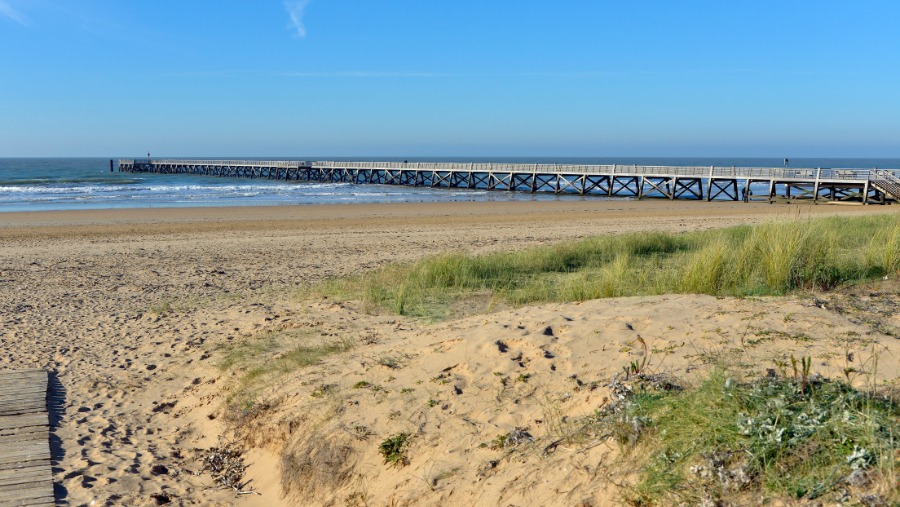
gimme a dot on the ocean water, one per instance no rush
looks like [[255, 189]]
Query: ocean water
[[36, 184]]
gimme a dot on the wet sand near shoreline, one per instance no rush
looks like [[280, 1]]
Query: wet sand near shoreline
[[130, 310], [166, 219]]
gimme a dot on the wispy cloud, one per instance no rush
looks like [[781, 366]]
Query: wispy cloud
[[11, 13], [369, 74], [295, 10]]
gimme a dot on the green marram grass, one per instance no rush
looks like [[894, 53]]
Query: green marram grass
[[771, 438], [768, 259], [264, 360]]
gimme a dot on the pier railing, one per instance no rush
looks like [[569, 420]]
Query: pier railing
[[243, 163], [764, 173], [637, 170]]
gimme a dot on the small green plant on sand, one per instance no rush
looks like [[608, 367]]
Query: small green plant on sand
[[511, 439], [394, 449], [391, 362], [323, 390], [162, 308]]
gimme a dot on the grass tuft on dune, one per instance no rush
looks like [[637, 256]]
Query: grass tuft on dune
[[768, 259], [777, 437]]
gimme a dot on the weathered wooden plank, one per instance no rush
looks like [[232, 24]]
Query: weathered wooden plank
[[33, 436], [18, 433], [11, 403], [12, 390], [13, 448], [28, 382], [39, 502], [27, 464], [8, 383], [21, 373], [24, 423], [36, 469], [40, 429], [32, 432], [25, 451], [24, 420], [19, 384], [24, 397], [24, 454], [24, 394], [27, 396], [18, 496], [9, 388], [26, 477], [19, 400], [31, 475], [13, 377], [25, 435], [26, 408], [31, 392], [35, 397], [35, 485]]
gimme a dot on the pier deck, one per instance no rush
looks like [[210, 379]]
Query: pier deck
[[699, 183], [25, 474]]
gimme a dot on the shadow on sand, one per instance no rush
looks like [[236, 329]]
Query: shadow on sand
[[56, 409]]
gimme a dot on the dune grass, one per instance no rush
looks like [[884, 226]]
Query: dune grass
[[769, 259], [263, 361], [768, 438]]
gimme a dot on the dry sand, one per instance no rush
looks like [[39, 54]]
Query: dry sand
[[134, 309]]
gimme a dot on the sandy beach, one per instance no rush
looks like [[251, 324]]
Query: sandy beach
[[133, 312]]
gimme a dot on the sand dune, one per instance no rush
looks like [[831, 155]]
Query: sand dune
[[133, 311]]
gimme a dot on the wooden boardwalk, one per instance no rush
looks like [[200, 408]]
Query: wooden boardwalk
[[25, 475], [746, 184]]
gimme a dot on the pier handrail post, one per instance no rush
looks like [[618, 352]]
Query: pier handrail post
[[816, 186]]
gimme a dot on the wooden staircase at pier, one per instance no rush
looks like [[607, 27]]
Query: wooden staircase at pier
[[887, 183]]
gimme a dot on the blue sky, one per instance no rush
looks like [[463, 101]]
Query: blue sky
[[429, 78]]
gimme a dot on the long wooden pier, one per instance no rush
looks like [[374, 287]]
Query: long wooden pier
[[25, 473], [707, 183]]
